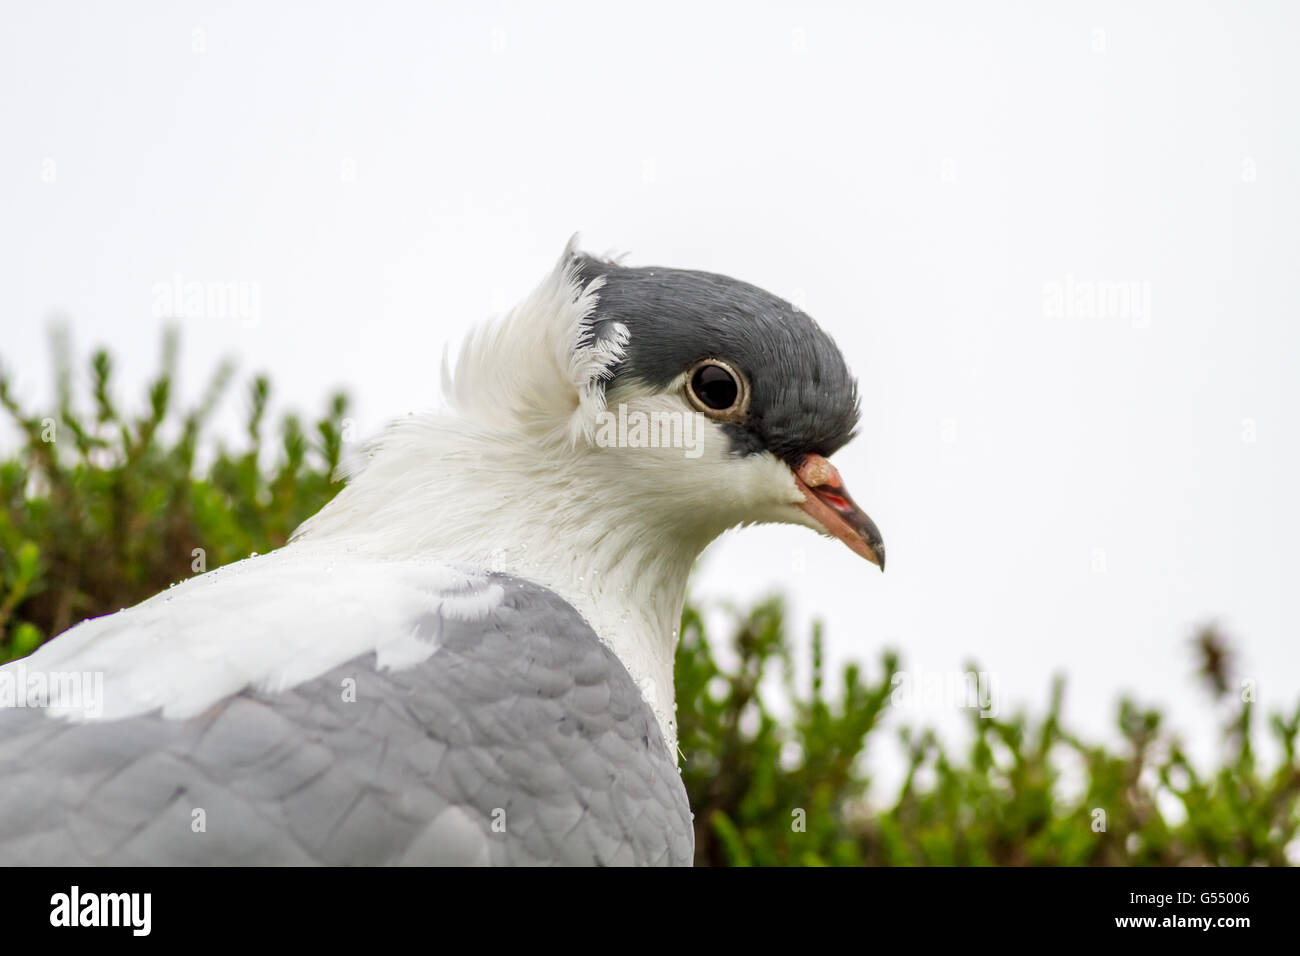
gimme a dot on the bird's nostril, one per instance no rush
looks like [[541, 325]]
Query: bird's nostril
[[817, 471]]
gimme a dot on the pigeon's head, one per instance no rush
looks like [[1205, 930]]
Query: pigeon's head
[[714, 400], [600, 434]]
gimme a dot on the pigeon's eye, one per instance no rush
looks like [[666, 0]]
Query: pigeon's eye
[[718, 390]]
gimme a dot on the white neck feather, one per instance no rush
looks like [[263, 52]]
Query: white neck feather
[[446, 488]]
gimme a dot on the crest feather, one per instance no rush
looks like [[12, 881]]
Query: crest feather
[[544, 364]]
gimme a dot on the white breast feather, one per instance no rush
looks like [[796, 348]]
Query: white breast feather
[[269, 623]]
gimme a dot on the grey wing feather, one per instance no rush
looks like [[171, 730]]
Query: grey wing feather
[[521, 740]]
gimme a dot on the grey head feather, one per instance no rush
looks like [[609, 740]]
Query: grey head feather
[[803, 399]]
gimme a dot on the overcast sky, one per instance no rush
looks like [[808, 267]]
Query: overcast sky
[[1058, 247]]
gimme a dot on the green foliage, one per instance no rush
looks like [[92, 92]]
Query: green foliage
[[101, 509], [999, 800]]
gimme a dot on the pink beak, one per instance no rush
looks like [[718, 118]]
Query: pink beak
[[827, 500]]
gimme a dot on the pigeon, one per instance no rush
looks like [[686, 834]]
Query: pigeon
[[466, 657]]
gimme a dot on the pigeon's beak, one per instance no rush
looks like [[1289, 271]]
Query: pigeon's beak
[[828, 502]]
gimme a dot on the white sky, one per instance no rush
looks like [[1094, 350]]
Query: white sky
[[386, 174]]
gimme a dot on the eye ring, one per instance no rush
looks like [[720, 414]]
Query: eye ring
[[739, 406]]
